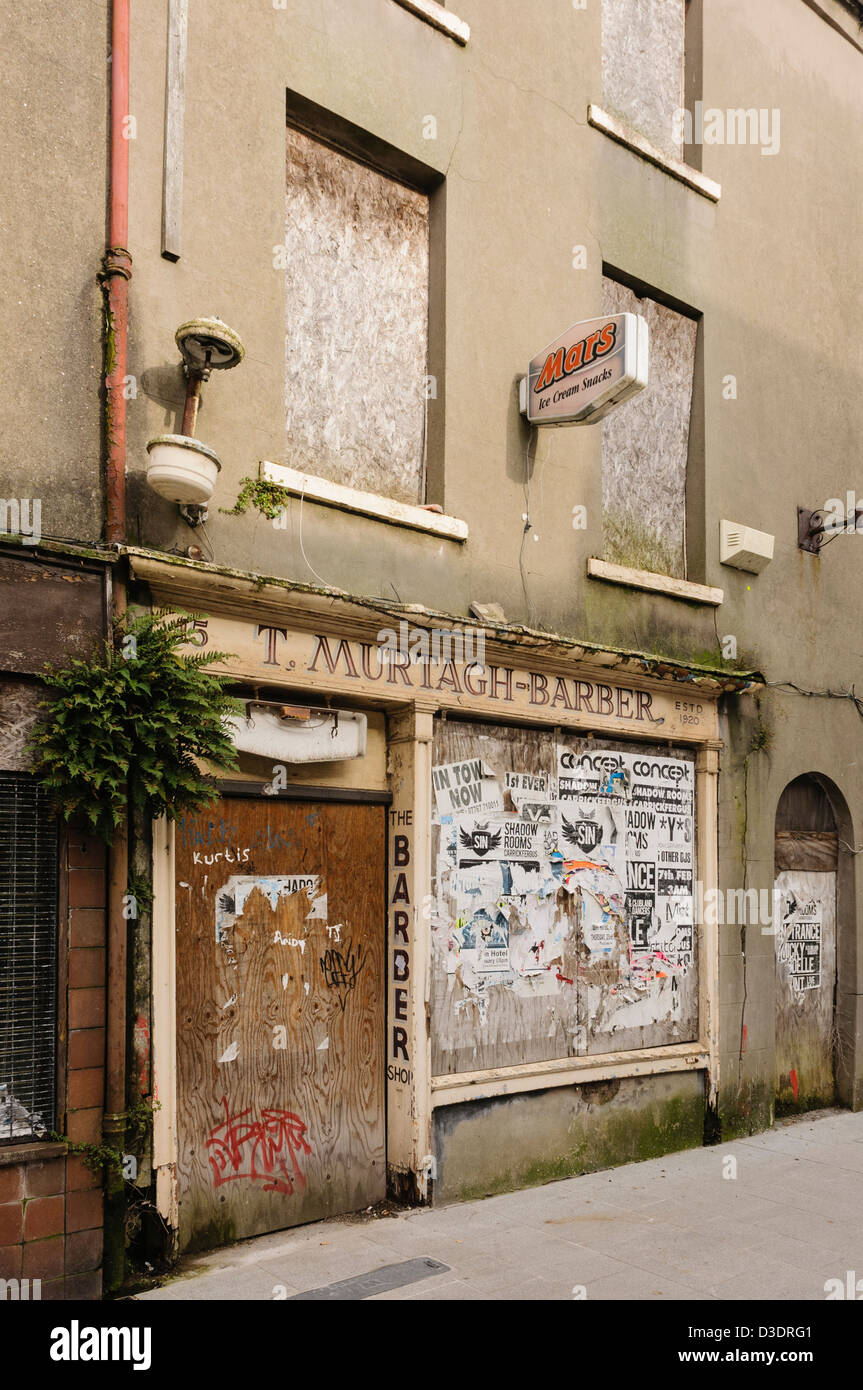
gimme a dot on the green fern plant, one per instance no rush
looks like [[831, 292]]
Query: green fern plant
[[132, 726]]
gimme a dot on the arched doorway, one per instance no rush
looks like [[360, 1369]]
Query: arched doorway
[[805, 900]]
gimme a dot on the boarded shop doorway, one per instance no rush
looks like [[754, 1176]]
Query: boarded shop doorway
[[806, 856], [280, 940]]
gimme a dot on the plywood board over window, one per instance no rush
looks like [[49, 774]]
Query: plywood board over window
[[356, 267], [563, 918], [643, 66], [645, 445]]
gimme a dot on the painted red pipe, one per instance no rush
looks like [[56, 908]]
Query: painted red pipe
[[115, 280]]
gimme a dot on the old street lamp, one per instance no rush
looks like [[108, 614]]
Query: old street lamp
[[180, 467]]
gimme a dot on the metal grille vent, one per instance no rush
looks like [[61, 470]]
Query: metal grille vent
[[29, 850]]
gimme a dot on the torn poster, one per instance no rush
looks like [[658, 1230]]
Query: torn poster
[[593, 875], [799, 942], [466, 786], [232, 897], [528, 792]]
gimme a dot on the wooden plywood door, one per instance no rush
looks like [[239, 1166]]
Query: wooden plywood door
[[280, 917], [805, 935]]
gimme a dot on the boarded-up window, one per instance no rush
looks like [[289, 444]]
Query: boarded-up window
[[356, 262], [642, 66], [28, 959], [645, 445], [563, 921]]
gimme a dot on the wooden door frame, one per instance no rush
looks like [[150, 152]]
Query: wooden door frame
[[164, 978]]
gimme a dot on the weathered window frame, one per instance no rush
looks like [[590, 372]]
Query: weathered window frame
[[687, 168], [352, 141], [694, 532]]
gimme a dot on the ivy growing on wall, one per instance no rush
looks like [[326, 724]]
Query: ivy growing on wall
[[140, 725]]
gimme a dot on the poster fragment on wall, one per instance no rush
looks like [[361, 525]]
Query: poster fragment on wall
[[467, 786], [234, 894], [799, 941]]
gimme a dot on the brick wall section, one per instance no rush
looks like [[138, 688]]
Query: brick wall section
[[51, 1205]]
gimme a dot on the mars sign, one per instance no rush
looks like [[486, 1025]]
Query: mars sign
[[585, 373]]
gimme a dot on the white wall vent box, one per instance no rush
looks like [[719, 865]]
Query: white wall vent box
[[744, 548], [287, 734]]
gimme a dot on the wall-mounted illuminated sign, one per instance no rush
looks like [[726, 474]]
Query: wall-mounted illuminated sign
[[289, 734], [585, 373]]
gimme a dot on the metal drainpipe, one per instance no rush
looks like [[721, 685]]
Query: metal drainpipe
[[115, 278]]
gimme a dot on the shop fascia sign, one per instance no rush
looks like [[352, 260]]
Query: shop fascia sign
[[591, 368], [340, 665]]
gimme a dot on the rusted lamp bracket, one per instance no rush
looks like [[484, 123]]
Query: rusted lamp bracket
[[811, 530]]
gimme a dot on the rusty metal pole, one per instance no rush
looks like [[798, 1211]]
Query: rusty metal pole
[[193, 401], [196, 376]]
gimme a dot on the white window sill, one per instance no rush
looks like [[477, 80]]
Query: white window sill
[[625, 135], [439, 17], [349, 499], [654, 583]]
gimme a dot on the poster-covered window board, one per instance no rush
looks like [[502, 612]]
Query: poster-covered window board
[[563, 897]]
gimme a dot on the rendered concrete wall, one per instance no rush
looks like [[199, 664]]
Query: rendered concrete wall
[[52, 236], [483, 1147]]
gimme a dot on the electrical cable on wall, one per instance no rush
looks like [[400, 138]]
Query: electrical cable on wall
[[851, 694], [202, 532], [533, 438], [302, 547]]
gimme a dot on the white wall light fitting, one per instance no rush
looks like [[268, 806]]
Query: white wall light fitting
[[181, 468]]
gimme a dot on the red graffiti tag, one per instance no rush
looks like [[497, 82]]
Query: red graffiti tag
[[795, 1086], [263, 1150]]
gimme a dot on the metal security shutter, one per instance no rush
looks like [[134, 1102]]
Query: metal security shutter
[[29, 851]]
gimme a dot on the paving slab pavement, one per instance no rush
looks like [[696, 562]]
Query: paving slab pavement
[[777, 1222]]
